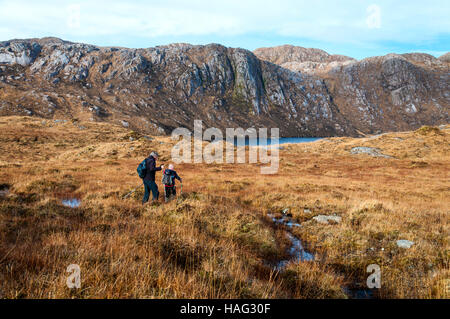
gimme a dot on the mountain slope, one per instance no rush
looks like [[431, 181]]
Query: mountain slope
[[158, 89], [392, 92]]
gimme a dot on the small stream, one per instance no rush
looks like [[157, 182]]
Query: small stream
[[296, 250], [298, 253]]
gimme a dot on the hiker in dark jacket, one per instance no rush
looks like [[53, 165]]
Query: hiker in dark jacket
[[149, 179], [169, 186]]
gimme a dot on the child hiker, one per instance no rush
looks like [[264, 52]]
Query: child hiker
[[168, 179]]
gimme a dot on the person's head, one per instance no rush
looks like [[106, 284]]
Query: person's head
[[170, 166], [154, 155]]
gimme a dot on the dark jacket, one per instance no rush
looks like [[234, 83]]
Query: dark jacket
[[150, 164], [171, 172]]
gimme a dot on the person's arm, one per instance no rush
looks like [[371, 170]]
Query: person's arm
[[177, 177], [152, 166]]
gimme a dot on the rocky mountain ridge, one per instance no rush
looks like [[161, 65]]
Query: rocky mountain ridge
[[299, 59], [160, 88]]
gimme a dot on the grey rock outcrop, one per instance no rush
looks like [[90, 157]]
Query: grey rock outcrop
[[17, 52], [375, 152], [403, 243], [326, 219]]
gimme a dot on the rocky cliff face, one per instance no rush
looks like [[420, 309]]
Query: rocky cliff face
[[158, 89], [392, 92]]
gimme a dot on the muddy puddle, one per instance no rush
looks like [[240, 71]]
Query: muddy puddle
[[358, 293], [71, 202], [4, 190]]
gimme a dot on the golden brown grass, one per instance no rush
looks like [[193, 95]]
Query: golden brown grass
[[215, 240]]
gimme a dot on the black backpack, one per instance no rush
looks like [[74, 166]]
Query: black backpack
[[142, 169]]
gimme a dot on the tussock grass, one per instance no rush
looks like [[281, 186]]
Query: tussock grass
[[216, 240], [426, 130]]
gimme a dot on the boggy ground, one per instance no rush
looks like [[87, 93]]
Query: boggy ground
[[216, 240]]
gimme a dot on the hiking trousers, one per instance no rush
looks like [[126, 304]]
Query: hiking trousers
[[170, 191], [150, 186]]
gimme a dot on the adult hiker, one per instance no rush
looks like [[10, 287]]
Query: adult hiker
[[147, 170], [168, 179]]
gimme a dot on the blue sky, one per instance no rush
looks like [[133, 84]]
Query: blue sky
[[355, 28]]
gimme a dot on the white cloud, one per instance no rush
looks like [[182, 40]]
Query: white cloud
[[330, 21]]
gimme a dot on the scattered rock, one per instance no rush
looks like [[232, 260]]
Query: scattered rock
[[125, 123], [372, 151], [403, 243], [160, 130], [325, 219]]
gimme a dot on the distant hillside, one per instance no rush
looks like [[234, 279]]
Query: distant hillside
[[310, 93]]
